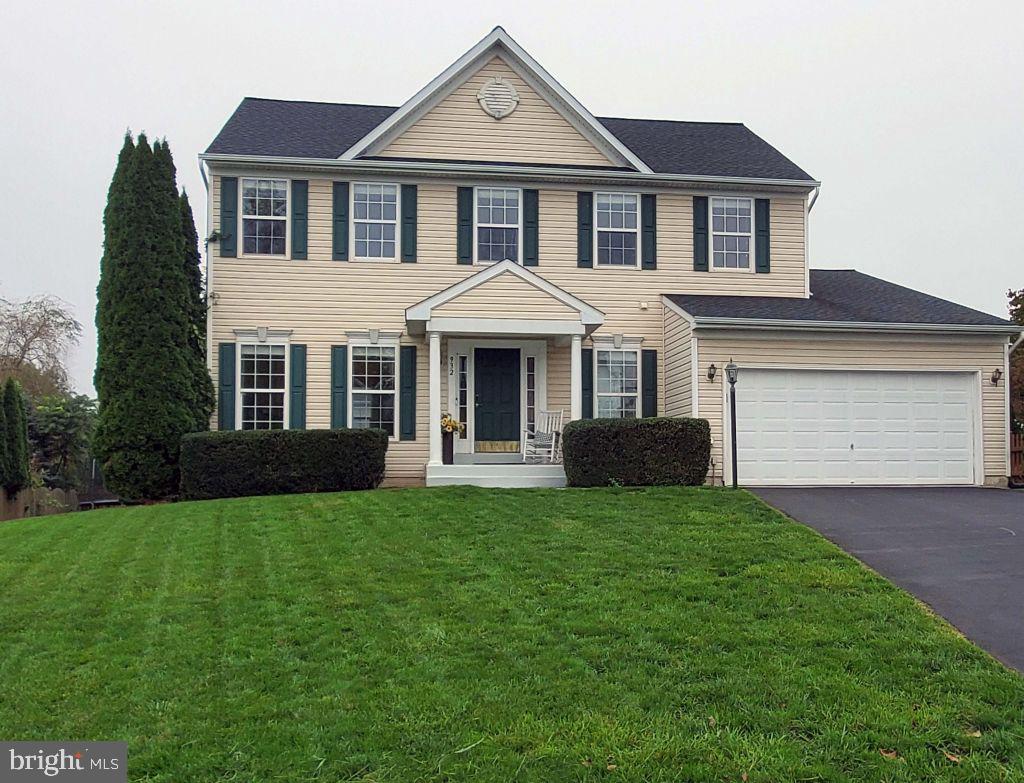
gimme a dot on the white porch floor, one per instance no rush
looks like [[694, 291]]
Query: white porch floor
[[510, 474]]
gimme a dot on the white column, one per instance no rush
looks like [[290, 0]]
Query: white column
[[576, 379], [434, 412]]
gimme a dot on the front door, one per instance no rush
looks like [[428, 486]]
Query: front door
[[496, 381]]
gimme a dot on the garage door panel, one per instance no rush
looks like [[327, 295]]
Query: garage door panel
[[841, 427]]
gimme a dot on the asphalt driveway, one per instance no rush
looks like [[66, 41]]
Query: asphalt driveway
[[960, 550]]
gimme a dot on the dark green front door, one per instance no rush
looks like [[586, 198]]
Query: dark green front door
[[496, 380]]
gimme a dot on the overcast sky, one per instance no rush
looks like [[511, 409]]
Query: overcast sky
[[911, 114]]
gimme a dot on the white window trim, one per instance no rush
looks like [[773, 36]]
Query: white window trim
[[625, 344], [252, 338], [240, 233], [352, 223], [639, 222], [477, 225], [752, 267], [382, 341]]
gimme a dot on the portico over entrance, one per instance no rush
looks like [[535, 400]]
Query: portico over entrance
[[505, 348]]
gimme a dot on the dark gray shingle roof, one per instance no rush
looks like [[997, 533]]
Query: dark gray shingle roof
[[304, 129], [841, 295]]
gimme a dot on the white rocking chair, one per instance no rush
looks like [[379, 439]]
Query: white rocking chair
[[544, 442]]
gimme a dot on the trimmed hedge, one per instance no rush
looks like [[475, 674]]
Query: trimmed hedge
[[279, 462], [636, 452]]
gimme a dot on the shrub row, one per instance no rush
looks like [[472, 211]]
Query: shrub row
[[279, 462], [636, 452]]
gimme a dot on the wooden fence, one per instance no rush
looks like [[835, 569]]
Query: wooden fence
[[37, 502], [1017, 456]]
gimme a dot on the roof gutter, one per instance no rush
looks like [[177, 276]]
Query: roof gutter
[[814, 198], [851, 326], [462, 169]]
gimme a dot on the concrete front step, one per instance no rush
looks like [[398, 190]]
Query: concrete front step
[[512, 475]]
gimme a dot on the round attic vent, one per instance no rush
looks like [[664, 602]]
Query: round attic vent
[[498, 97]]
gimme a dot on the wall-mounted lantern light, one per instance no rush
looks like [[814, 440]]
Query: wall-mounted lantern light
[[996, 376], [712, 371]]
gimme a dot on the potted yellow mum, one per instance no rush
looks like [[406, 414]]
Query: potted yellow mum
[[449, 426]]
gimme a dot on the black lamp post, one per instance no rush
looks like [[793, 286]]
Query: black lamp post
[[732, 372]]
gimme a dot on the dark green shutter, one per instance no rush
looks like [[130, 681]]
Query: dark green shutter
[[297, 388], [228, 217], [300, 218], [340, 220], [763, 238], [339, 386], [409, 224], [531, 228], [407, 396], [649, 382], [700, 233], [585, 231], [465, 225], [226, 386], [587, 382], [649, 231]]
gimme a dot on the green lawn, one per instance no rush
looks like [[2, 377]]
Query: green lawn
[[487, 635]]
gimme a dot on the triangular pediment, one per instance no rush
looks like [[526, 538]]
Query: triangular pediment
[[496, 104], [505, 291]]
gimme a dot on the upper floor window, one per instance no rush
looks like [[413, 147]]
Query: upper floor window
[[261, 386], [731, 232], [375, 215], [617, 228], [498, 224], [374, 381], [264, 216], [618, 388]]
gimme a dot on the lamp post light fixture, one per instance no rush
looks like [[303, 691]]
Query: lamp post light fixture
[[732, 373]]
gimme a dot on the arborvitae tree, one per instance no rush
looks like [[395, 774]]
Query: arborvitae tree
[[5, 457], [143, 381], [113, 236], [16, 424], [203, 394]]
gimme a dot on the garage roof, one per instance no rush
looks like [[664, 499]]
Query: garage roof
[[841, 296]]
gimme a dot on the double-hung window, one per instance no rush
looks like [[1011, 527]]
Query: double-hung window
[[618, 389], [261, 386], [374, 381], [618, 221], [264, 216], [498, 224], [731, 236], [375, 218]]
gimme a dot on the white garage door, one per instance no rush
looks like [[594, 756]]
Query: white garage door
[[837, 427]]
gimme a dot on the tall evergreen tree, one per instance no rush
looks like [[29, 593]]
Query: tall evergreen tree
[[144, 383], [5, 457], [16, 423], [203, 393], [118, 198]]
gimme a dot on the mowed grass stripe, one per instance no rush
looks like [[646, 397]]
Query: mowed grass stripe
[[467, 634]]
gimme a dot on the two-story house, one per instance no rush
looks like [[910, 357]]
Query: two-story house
[[490, 249]]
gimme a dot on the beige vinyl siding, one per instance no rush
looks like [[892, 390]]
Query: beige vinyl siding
[[320, 299], [506, 296], [678, 369], [868, 352], [459, 129]]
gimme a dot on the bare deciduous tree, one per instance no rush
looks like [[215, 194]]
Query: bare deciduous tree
[[35, 337]]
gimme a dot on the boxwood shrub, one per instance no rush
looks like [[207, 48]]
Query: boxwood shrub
[[636, 452], [280, 462]]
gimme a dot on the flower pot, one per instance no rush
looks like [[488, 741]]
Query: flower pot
[[448, 448]]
